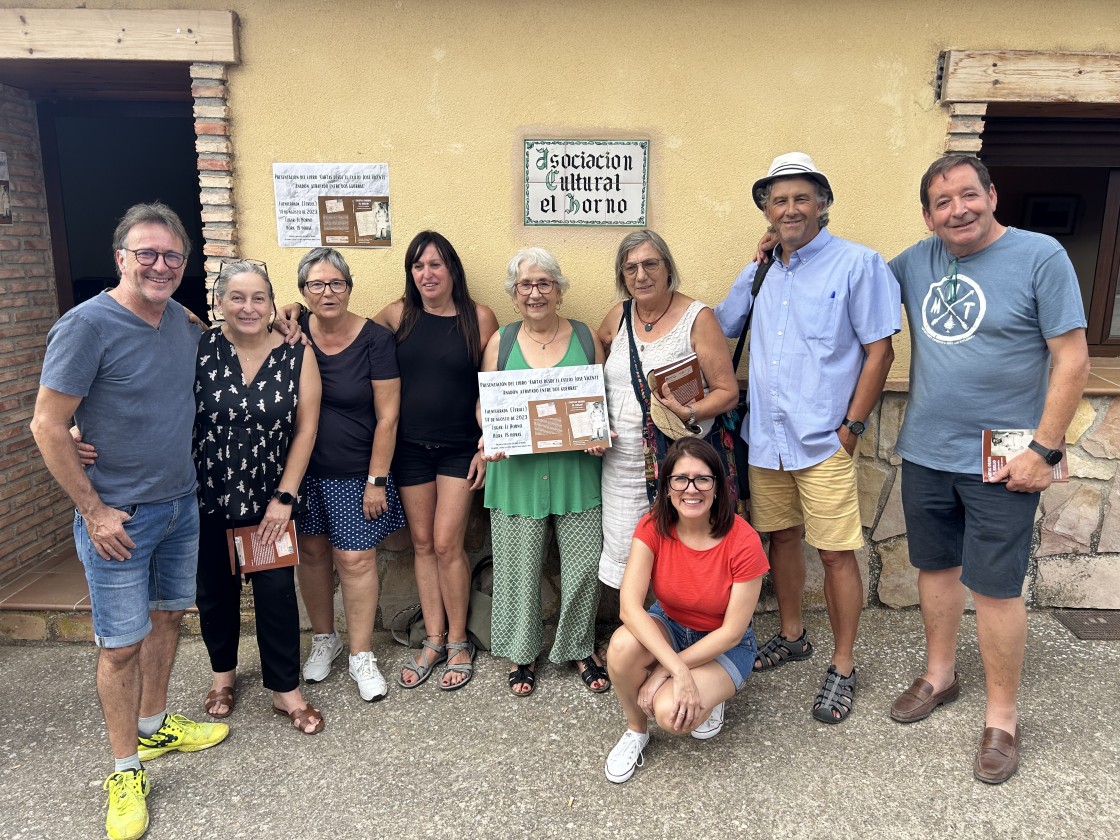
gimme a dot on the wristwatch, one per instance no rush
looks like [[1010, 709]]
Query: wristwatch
[[283, 497], [856, 427], [378, 480], [691, 423], [1050, 456]]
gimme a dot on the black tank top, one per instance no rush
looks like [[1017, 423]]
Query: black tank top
[[439, 384]]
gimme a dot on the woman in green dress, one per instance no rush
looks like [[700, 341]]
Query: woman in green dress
[[527, 493]]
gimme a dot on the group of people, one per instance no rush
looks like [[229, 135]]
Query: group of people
[[271, 415]]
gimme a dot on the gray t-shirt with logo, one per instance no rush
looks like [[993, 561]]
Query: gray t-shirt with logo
[[136, 382], [978, 358]]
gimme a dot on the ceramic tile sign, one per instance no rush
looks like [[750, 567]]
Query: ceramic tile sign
[[586, 182], [344, 205], [5, 192]]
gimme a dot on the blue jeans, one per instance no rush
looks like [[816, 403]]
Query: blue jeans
[[160, 575], [738, 662]]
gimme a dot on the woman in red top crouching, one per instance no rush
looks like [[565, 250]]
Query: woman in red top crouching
[[694, 649]]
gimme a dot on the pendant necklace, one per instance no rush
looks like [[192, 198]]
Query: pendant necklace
[[650, 324], [555, 332]]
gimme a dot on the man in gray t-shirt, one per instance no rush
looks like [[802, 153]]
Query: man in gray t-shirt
[[990, 308], [122, 365]]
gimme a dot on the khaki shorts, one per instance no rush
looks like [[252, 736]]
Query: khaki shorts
[[822, 497]]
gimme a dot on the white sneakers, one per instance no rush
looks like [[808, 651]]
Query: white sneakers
[[363, 671], [325, 648], [711, 727], [626, 757]]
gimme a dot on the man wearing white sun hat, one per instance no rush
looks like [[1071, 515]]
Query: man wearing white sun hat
[[820, 350]]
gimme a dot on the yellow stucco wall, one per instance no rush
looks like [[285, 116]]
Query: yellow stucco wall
[[445, 91]]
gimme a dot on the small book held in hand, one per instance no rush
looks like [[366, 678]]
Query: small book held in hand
[[998, 446], [682, 377], [248, 553]]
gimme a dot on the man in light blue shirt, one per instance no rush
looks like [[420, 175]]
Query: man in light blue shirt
[[820, 350]]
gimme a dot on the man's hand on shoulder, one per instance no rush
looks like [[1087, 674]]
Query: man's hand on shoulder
[[287, 324]]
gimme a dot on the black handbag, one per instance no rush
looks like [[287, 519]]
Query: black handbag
[[742, 450]]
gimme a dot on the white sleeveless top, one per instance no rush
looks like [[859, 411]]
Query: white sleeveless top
[[624, 483]]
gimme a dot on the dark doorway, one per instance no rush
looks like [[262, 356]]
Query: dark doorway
[[100, 158], [1060, 175]]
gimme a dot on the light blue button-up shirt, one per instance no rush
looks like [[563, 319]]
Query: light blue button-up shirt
[[810, 323]]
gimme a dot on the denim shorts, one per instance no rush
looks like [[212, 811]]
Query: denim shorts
[[420, 463], [956, 520], [738, 662], [334, 508], [160, 575]]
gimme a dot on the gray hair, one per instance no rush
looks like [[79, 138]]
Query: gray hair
[[318, 255], [822, 195], [156, 213], [540, 258], [231, 270], [632, 241]]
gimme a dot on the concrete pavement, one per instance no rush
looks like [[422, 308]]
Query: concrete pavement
[[480, 763]]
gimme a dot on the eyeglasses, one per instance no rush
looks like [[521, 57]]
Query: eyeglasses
[[649, 266], [702, 483], [317, 287], [147, 257], [525, 287]]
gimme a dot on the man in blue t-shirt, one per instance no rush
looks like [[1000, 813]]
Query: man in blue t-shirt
[[122, 366], [990, 309], [819, 355]]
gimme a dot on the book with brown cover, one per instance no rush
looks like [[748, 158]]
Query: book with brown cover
[[998, 446], [682, 377], [248, 553]]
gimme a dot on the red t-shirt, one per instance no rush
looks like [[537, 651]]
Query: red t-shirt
[[693, 587]]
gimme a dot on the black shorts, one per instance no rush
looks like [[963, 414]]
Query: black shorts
[[955, 519], [420, 463]]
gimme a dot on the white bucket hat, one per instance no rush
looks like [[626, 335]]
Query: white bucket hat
[[791, 164]]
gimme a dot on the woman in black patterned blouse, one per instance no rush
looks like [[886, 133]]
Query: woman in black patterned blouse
[[258, 411]]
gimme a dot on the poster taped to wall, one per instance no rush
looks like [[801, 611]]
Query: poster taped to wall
[[344, 205], [5, 192], [543, 410]]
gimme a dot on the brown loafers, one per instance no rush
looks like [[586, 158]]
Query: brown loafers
[[919, 700], [998, 756]]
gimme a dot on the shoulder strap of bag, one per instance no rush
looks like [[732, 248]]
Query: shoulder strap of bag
[[637, 375], [505, 344], [586, 342], [759, 276]]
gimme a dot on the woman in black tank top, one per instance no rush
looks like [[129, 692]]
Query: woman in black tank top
[[440, 334]]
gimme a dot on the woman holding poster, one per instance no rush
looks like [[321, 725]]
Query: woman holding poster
[[527, 493], [654, 324], [440, 333]]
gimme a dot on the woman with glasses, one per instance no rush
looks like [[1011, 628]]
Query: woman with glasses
[[654, 324], [258, 409], [527, 493], [352, 502], [440, 333], [681, 660]]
